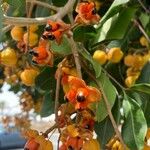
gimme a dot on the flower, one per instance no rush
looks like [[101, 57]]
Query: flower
[[86, 13], [80, 94]]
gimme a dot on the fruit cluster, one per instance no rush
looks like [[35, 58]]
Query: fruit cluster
[[114, 55], [35, 141], [135, 62]]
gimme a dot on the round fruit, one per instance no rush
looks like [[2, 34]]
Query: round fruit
[[143, 41], [130, 80], [28, 76], [91, 145], [33, 28], [17, 33], [128, 60], [8, 57], [33, 39], [100, 56], [131, 72], [115, 55]]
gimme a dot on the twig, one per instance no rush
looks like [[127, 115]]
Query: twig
[[22, 21], [143, 6], [59, 73], [6, 28], [141, 29], [44, 5], [107, 107], [50, 129], [76, 56], [123, 88]]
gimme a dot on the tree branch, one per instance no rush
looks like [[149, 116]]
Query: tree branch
[[23, 21], [46, 5]]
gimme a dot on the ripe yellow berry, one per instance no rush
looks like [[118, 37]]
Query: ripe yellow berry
[[33, 39], [100, 56], [115, 55], [132, 72], [138, 61], [143, 41], [17, 33], [128, 60], [28, 76], [33, 28], [8, 57], [130, 80], [91, 145]]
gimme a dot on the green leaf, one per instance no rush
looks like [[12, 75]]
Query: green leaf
[[48, 105], [96, 65], [84, 33], [42, 11], [114, 9], [110, 92], [134, 128], [16, 8], [144, 18], [143, 87], [64, 48], [103, 135], [45, 80], [116, 26]]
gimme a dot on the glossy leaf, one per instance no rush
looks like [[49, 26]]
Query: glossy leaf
[[64, 48], [135, 127], [48, 105], [104, 131], [143, 87], [45, 80], [110, 92], [114, 9], [96, 65], [83, 33], [116, 26]]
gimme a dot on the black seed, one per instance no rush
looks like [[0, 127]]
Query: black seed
[[80, 97], [66, 99], [94, 11], [33, 53], [26, 148], [44, 37], [33, 61], [48, 28], [87, 126], [51, 37], [70, 148]]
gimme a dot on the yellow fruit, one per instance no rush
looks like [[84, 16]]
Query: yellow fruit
[[70, 71], [28, 76], [72, 130], [131, 72], [138, 61], [8, 57], [115, 55], [31, 133], [91, 145], [17, 33], [143, 41], [128, 60], [130, 80], [33, 28], [33, 39], [100, 56], [48, 145], [146, 147]]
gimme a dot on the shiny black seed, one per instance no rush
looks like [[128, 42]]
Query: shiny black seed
[[70, 148], [66, 99], [33, 53], [33, 61], [80, 97], [87, 126], [94, 11], [51, 37], [44, 37], [48, 28]]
